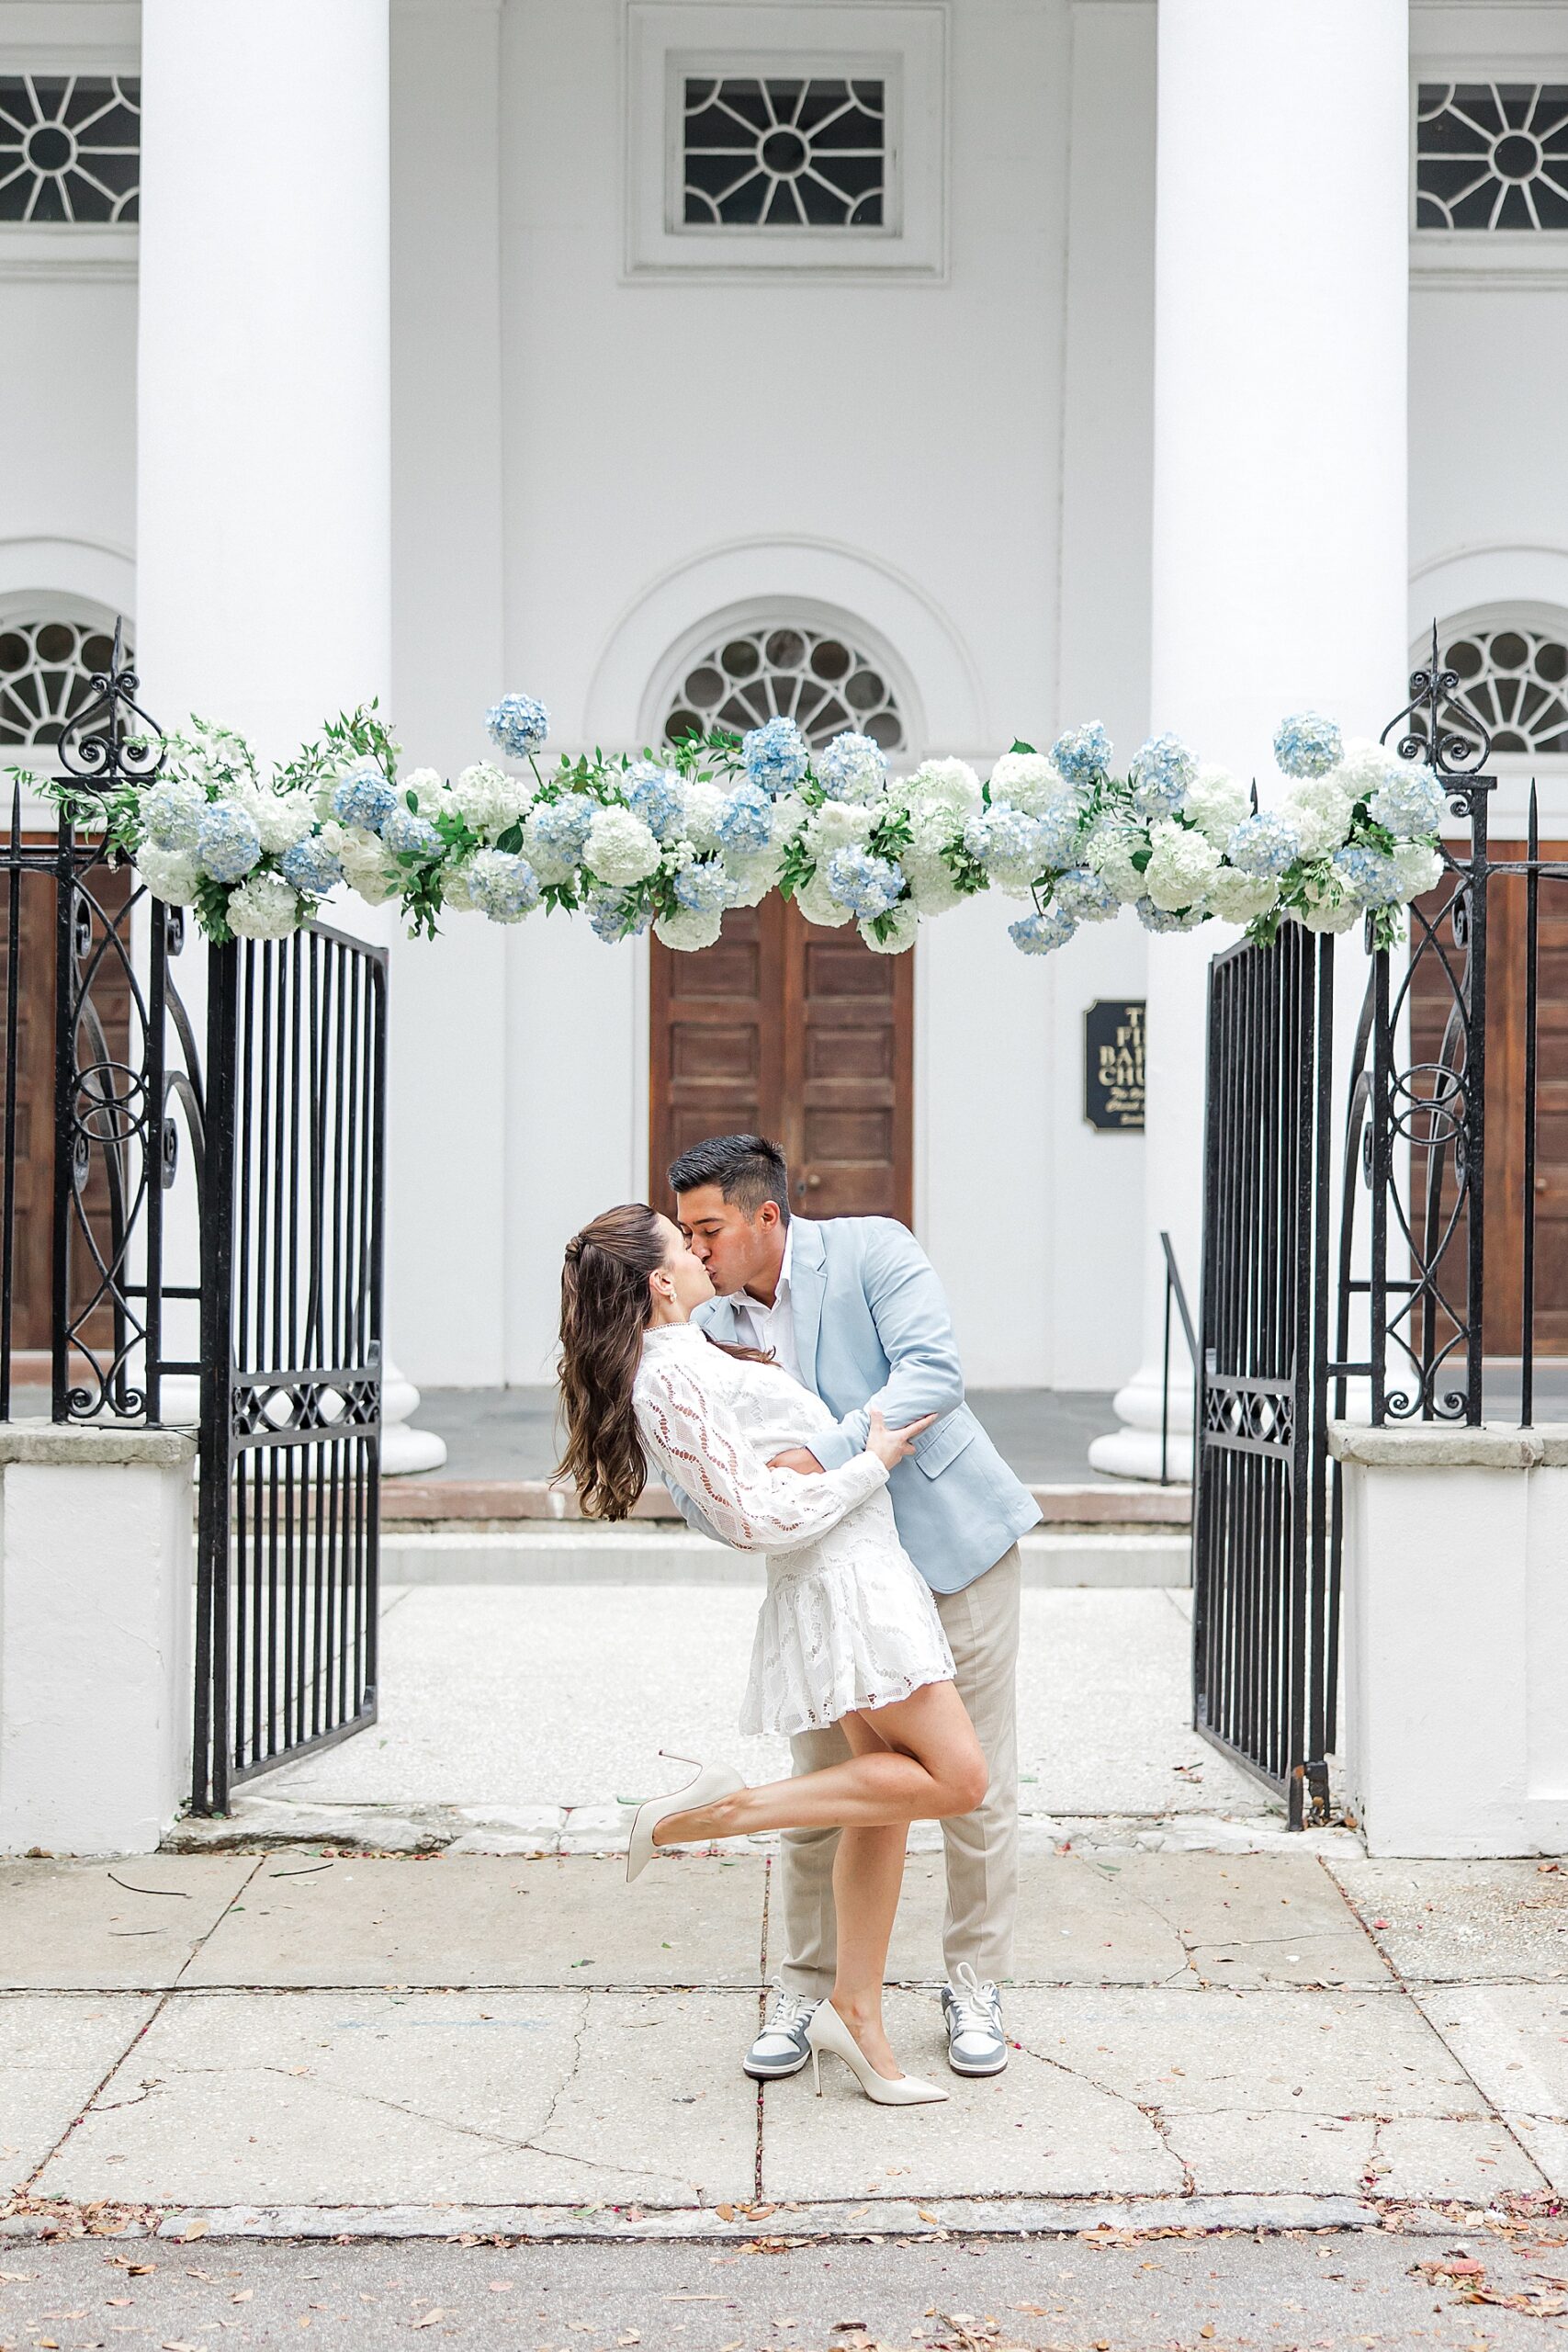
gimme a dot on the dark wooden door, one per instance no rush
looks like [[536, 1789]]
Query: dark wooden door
[[786, 1030], [31, 1295], [1431, 999]]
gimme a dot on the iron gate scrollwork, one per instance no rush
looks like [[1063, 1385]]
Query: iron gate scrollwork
[[1264, 1606], [288, 1535]]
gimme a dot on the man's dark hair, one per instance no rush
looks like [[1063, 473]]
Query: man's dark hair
[[748, 1169]]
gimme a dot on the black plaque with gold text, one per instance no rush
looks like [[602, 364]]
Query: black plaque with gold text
[[1113, 1065]]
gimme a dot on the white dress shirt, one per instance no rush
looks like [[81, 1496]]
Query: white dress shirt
[[772, 1328]]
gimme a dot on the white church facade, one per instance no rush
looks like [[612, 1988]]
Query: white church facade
[[961, 370]]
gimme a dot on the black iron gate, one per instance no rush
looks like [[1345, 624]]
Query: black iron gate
[[288, 1531], [1264, 1608]]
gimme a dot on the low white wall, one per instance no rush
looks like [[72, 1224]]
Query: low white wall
[[1456, 1638], [95, 1567]]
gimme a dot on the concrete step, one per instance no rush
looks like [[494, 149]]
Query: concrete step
[[563, 1554]]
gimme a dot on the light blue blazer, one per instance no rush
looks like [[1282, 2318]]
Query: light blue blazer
[[872, 1328]]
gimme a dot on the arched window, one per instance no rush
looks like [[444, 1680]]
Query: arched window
[[47, 660], [790, 670], [1514, 675]]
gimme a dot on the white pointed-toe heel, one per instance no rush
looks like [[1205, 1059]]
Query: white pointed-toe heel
[[713, 1781], [827, 2031]]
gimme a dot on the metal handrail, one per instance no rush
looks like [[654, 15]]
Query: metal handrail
[[1173, 1290]]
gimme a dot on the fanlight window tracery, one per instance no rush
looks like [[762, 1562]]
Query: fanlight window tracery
[[1515, 678], [788, 670], [773, 152], [70, 147], [45, 668], [1492, 155]]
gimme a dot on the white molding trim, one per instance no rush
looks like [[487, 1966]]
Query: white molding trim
[[936, 675], [906, 40], [61, 253], [74, 36], [1465, 582], [1511, 261], [90, 572]]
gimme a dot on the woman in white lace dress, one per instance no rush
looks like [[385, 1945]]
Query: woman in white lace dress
[[848, 1632]]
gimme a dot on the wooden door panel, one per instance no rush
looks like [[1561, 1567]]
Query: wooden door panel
[[790, 1031]]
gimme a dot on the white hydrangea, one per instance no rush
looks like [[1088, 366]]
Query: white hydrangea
[[689, 927], [1109, 854], [281, 819], [1216, 802], [752, 878], [837, 824], [1321, 810], [172, 810], [432, 793], [706, 803], [902, 924], [1235, 897], [937, 784], [456, 896], [263, 906], [548, 860], [488, 800], [1418, 867], [1181, 866], [1028, 780], [817, 905], [790, 813], [171, 875], [1365, 766], [930, 881], [1327, 916], [620, 848]]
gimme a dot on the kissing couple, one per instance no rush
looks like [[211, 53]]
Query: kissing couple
[[796, 1384]]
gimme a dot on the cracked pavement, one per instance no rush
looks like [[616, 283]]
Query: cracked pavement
[[261, 2038]]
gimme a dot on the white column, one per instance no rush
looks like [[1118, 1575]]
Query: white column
[[1279, 476], [264, 595]]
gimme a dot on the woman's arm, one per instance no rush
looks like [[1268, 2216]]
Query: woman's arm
[[701, 1447]]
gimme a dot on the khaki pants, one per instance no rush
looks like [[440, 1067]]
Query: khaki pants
[[981, 1626]]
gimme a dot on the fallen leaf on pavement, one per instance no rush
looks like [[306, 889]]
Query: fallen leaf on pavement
[[725, 2212], [243, 2295], [430, 2318], [500, 2286]]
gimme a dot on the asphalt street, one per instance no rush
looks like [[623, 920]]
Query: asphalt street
[[1317, 2291]]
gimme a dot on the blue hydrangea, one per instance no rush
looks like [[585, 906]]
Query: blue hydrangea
[[1084, 896], [1037, 934], [775, 756], [854, 767], [1368, 876], [1307, 744], [868, 886], [227, 841], [1083, 755], [1410, 804], [408, 835], [1006, 837], [172, 812], [653, 792], [1162, 770], [517, 724], [310, 865], [1058, 838], [1264, 844], [746, 822], [563, 826], [614, 915], [1154, 918], [501, 885], [364, 797], [703, 887]]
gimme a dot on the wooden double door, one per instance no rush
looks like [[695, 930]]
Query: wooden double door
[[786, 1030]]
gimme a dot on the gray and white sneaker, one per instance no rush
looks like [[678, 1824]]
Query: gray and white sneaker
[[976, 2043], [781, 2048]]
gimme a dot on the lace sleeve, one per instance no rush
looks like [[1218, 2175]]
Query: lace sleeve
[[699, 1444]]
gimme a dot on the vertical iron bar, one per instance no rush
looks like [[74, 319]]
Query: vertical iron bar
[[64, 1107], [9, 1206], [1532, 1015], [1475, 1111], [209, 1792]]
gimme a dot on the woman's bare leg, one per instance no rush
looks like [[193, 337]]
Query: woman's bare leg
[[868, 1874], [926, 1765]]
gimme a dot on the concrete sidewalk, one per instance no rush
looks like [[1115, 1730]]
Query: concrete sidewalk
[[291, 2043]]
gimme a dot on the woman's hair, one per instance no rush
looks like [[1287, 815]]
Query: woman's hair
[[605, 1306]]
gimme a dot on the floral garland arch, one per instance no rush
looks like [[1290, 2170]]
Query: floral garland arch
[[670, 840]]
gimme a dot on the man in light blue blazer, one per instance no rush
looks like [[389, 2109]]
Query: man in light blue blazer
[[851, 1307]]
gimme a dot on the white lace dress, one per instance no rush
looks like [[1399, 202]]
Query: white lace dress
[[848, 1620]]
